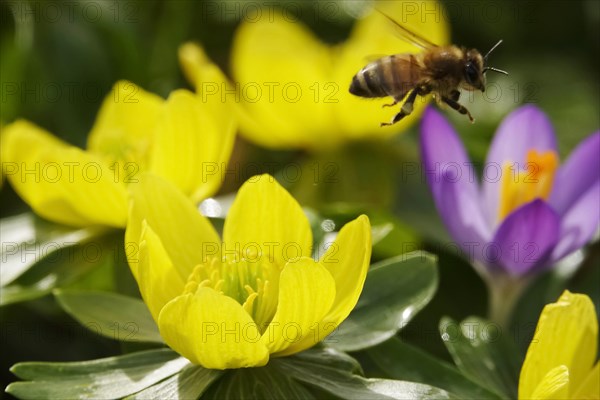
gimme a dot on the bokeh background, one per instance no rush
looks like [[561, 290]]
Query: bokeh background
[[59, 59]]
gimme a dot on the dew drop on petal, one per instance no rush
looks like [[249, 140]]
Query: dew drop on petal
[[328, 225], [211, 208]]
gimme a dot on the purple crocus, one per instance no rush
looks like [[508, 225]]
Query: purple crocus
[[528, 212]]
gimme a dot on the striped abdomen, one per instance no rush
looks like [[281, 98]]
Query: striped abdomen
[[391, 76]]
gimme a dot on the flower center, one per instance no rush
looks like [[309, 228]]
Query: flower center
[[253, 284], [126, 156], [520, 186]]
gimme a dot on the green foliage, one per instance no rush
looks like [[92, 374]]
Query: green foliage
[[107, 378], [111, 315], [418, 366], [484, 352], [395, 290]]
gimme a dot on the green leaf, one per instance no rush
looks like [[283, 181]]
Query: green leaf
[[62, 266], [402, 361], [319, 371], [112, 315], [395, 290], [482, 351], [190, 383], [27, 240], [391, 236], [106, 378], [257, 383]]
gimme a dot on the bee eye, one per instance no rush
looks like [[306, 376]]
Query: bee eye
[[471, 74]]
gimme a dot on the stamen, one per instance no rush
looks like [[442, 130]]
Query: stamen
[[253, 284], [519, 187]]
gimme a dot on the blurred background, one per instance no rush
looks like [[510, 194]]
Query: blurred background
[[59, 59]]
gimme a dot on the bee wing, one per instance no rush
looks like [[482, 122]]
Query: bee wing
[[408, 35]]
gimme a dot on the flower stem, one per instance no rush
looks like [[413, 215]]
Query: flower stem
[[504, 292]]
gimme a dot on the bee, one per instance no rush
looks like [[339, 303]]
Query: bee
[[440, 70]]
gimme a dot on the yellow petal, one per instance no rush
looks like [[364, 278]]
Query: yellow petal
[[590, 388], [193, 143], [266, 215], [60, 182], [212, 330], [374, 37], [187, 236], [567, 334], [158, 280], [124, 129], [347, 260], [279, 81], [306, 293], [554, 385]]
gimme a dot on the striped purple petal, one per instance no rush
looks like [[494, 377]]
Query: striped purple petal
[[579, 224], [452, 179], [524, 129], [579, 172], [525, 239]]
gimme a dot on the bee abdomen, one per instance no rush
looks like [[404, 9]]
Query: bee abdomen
[[369, 81]]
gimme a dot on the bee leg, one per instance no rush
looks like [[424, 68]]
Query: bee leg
[[454, 95], [406, 109], [391, 104], [458, 107]]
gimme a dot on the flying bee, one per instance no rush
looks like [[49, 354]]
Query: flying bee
[[440, 70]]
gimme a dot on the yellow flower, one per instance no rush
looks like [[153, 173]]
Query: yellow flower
[[561, 360], [292, 89], [181, 139], [233, 303]]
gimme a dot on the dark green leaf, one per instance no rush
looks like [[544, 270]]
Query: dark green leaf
[[391, 236], [402, 361], [27, 240], [257, 383], [324, 373], [331, 357], [63, 266], [482, 351], [107, 378], [190, 383], [112, 315], [395, 290]]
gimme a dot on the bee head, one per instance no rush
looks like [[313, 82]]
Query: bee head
[[473, 71]]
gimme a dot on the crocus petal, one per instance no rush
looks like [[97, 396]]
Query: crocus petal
[[193, 143], [525, 238], [172, 216], [264, 213], [590, 388], [554, 385], [567, 334], [212, 330], [347, 260], [580, 223], [306, 293], [277, 82], [452, 180], [125, 122], [63, 183], [580, 171], [372, 37], [527, 128], [157, 278]]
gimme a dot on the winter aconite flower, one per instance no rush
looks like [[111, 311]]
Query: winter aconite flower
[[256, 293], [561, 359], [293, 90], [181, 139], [529, 211]]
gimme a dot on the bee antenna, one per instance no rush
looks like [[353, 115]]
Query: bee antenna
[[492, 49], [495, 70]]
